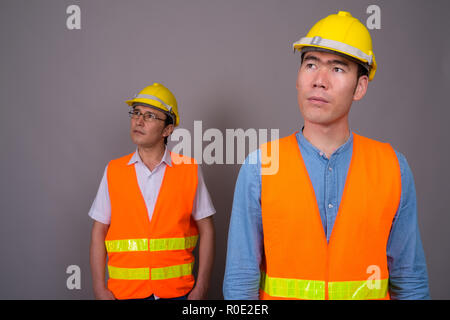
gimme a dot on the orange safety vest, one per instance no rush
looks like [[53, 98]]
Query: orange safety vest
[[151, 257], [298, 262]]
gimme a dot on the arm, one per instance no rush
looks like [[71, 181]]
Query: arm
[[408, 276], [98, 261], [206, 258], [100, 212], [245, 236]]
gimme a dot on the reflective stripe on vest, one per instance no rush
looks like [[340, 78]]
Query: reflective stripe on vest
[[155, 244], [315, 290], [358, 290], [156, 273], [172, 271], [292, 288], [128, 273], [126, 245], [173, 243]]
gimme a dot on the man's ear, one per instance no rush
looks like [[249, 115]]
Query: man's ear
[[168, 130], [361, 88]]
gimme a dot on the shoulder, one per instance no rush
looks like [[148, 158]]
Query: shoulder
[[123, 160], [251, 167], [270, 150], [281, 141], [375, 148], [405, 170], [370, 142], [179, 159], [116, 167], [408, 189], [183, 166]]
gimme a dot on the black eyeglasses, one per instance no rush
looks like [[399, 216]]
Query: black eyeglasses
[[148, 116]]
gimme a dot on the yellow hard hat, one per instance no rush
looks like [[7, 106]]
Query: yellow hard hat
[[160, 97], [344, 34]]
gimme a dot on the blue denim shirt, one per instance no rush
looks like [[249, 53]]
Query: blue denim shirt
[[408, 276]]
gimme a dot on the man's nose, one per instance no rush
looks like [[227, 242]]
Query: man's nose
[[321, 79], [140, 120]]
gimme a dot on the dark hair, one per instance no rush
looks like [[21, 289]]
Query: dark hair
[[362, 71], [169, 121]]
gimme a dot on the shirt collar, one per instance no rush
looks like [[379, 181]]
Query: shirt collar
[[306, 145], [136, 158]]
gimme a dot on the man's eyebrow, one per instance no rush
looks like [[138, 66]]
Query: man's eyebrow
[[329, 62], [142, 109], [339, 62], [311, 57]]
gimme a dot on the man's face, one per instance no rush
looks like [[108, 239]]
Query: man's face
[[327, 85], [151, 132]]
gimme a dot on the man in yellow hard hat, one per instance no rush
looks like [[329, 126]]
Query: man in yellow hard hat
[[338, 220], [151, 207]]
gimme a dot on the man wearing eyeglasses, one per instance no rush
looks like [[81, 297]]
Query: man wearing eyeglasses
[[150, 209]]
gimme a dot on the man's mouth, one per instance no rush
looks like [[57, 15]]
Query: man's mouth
[[317, 99], [138, 132]]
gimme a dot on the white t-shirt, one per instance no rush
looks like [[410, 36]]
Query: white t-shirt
[[149, 183]]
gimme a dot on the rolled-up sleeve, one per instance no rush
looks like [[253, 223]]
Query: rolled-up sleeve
[[101, 207], [202, 206]]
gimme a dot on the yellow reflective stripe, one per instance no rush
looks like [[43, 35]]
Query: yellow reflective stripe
[[156, 273], [173, 243], [172, 271], [126, 245], [315, 290], [292, 288], [129, 273], [358, 290], [155, 244]]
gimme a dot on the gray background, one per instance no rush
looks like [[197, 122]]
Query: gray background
[[230, 64]]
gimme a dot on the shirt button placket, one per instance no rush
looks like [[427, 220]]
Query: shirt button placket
[[330, 195]]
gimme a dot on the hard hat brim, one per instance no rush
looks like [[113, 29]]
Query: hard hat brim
[[372, 66], [155, 105], [332, 51]]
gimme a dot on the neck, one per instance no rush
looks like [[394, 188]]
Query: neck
[[326, 138], [151, 156]]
